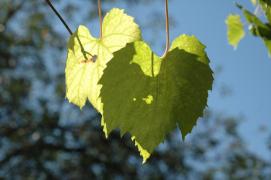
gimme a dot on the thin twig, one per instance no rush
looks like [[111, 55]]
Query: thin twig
[[59, 16], [68, 29], [167, 29], [100, 18]]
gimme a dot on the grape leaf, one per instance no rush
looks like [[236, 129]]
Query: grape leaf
[[148, 96], [82, 75], [235, 30], [84, 71]]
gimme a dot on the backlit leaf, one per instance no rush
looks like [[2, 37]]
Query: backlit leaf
[[148, 97], [235, 30], [84, 71]]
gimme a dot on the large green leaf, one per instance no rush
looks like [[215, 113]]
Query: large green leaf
[[148, 96], [235, 29], [84, 71]]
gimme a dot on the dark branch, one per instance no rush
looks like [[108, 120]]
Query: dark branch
[[59, 16], [68, 28]]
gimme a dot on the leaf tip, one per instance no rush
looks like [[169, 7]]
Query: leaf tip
[[103, 124], [143, 152]]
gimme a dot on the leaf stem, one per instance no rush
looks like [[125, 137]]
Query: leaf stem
[[68, 29], [59, 16], [167, 30], [100, 18]]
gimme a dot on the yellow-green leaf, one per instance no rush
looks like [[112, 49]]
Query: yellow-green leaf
[[82, 74], [84, 69], [235, 30]]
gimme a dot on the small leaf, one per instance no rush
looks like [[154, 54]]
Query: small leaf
[[148, 97], [235, 30]]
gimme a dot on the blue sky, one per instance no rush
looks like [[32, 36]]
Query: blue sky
[[246, 71]]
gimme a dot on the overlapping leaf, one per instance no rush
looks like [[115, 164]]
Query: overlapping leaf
[[148, 96], [87, 56]]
